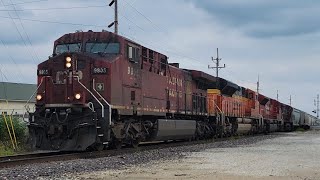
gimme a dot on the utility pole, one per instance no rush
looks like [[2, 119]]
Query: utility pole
[[258, 88], [277, 95], [318, 106], [115, 22], [217, 66], [290, 100], [258, 84]]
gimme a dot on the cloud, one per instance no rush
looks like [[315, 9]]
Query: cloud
[[279, 40], [266, 19]]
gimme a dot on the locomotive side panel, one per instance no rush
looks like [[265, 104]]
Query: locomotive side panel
[[153, 94], [252, 108], [153, 77], [187, 93]]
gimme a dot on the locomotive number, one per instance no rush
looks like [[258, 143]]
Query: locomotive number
[[43, 72], [100, 70]]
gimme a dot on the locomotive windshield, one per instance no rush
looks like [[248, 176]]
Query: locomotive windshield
[[108, 48], [61, 48]]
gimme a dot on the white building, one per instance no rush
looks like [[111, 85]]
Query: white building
[[14, 97]]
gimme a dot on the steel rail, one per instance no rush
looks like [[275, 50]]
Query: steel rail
[[26, 159]]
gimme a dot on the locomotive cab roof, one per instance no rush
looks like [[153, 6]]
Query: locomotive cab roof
[[95, 42]]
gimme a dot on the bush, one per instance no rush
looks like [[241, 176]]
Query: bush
[[5, 150], [299, 129], [20, 128]]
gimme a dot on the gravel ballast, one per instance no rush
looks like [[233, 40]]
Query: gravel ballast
[[70, 169]]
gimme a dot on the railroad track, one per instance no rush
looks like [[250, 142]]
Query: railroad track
[[24, 159]]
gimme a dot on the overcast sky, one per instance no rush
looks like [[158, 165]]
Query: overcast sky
[[277, 40]]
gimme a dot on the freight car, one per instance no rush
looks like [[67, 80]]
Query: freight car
[[306, 120], [302, 119], [101, 90]]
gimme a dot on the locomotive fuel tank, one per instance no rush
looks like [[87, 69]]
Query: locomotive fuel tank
[[244, 128], [174, 129], [244, 125], [273, 127]]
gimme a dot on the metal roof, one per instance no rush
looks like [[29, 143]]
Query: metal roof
[[17, 91]]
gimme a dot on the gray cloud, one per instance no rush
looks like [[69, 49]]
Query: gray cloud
[[277, 39], [265, 19]]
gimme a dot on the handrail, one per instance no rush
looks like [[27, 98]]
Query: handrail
[[262, 122], [9, 131], [13, 131], [102, 110], [94, 88], [217, 107], [90, 105], [25, 106]]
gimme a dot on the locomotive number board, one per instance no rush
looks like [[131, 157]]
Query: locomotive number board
[[43, 72], [100, 70]]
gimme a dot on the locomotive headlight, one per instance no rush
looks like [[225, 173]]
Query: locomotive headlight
[[68, 59], [68, 64], [39, 97], [77, 96]]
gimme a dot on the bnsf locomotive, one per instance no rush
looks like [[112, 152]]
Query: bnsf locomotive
[[101, 90]]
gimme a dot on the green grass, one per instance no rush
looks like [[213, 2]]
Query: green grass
[[6, 148], [300, 130], [6, 151]]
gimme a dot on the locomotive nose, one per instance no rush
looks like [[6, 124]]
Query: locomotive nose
[[66, 71]]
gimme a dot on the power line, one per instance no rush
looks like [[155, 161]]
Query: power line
[[56, 8], [100, 26], [11, 58], [171, 52], [159, 29], [129, 20], [23, 3], [15, 25], [53, 22], [148, 19], [28, 38], [3, 75], [175, 52]]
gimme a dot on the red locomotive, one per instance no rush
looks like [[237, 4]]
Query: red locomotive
[[102, 90]]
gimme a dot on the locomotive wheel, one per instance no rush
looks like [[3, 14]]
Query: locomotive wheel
[[117, 144], [135, 143], [99, 147]]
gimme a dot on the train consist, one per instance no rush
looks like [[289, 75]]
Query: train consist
[[101, 90]]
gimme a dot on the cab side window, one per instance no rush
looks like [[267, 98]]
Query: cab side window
[[144, 54], [163, 66], [133, 54], [151, 56]]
